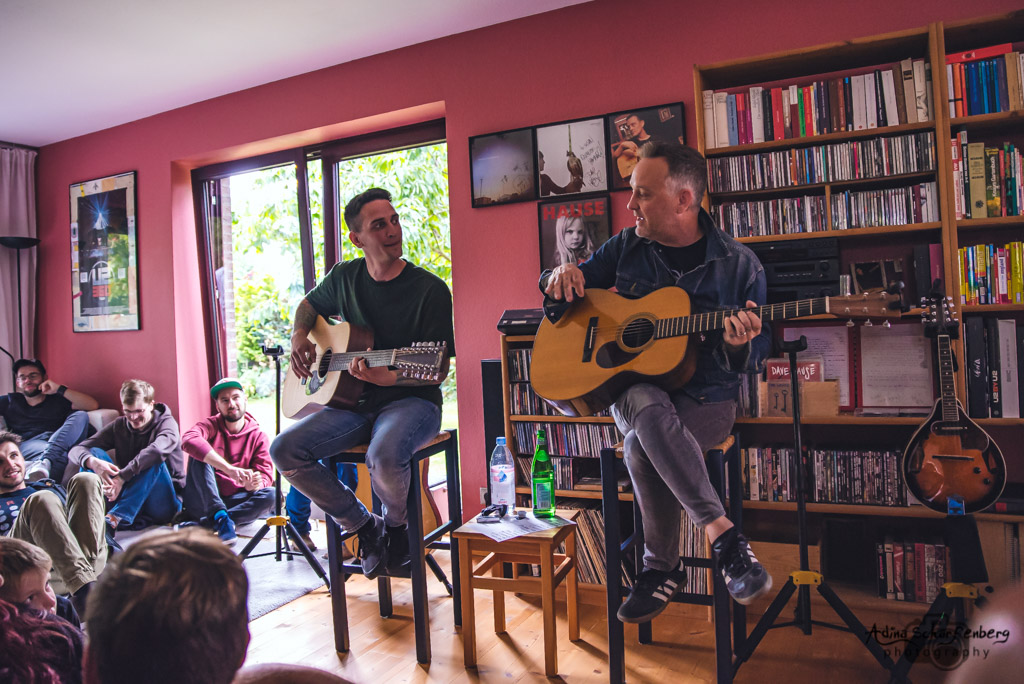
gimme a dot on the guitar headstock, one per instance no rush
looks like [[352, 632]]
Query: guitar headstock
[[422, 360], [939, 316], [868, 305]]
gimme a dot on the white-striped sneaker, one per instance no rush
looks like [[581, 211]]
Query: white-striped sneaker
[[651, 593], [745, 577]]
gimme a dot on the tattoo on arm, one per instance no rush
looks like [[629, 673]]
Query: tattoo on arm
[[305, 317]]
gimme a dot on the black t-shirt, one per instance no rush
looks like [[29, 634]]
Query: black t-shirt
[[10, 504], [684, 259], [415, 306], [29, 421]]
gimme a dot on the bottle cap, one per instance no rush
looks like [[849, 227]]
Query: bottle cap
[[501, 441]]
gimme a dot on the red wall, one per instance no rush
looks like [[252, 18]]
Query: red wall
[[584, 60]]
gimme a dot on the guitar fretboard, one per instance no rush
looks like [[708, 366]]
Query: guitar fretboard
[[947, 381], [715, 320], [382, 357]]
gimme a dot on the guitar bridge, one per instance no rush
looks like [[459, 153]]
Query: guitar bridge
[[588, 342]]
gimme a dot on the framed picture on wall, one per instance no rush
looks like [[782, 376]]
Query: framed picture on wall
[[104, 261], [502, 168], [572, 229], [571, 158], [629, 130]]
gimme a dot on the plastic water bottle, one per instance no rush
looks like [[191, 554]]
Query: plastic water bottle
[[503, 476], [543, 476]]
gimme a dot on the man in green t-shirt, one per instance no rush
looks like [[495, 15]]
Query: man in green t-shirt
[[401, 303]]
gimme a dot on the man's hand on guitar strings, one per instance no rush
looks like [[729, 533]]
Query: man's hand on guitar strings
[[303, 355], [742, 327], [566, 283]]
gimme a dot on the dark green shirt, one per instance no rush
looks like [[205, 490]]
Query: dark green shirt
[[416, 306]]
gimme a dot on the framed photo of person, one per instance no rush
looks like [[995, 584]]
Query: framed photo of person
[[104, 262], [502, 168], [572, 229], [571, 158], [629, 130]]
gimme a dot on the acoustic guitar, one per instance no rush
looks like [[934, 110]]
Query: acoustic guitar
[[605, 343], [950, 455], [332, 385]]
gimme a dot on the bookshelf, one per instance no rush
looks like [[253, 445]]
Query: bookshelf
[[744, 186]]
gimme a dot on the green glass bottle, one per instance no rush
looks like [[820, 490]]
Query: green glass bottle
[[543, 476]]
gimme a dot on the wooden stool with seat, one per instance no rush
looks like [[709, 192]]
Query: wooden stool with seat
[[722, 462], [420, 508], [535, 548]]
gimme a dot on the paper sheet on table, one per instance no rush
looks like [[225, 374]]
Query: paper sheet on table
[[896, 367], [511, 527], [832, 343]]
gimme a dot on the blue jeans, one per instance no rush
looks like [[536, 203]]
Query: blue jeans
[[665, 439], [394, 432], [149, 497], [55, 445], [297, 503], [202, 498]]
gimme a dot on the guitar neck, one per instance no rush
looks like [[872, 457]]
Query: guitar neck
[[376, 357], [947, 381], [715, 320]]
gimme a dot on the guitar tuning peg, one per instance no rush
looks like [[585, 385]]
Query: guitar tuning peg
[[869, 324], [887, 324], [849, 324]]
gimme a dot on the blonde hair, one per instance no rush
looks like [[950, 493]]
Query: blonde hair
[[133, 390], [16, 558], [572, 255]]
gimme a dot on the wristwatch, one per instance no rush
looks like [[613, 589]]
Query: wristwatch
[[61, 390]]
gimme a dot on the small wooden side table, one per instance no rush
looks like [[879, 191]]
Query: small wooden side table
[[534, 548]]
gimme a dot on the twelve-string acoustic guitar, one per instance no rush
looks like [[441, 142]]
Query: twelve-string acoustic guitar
[[332, 385], [605, 343]]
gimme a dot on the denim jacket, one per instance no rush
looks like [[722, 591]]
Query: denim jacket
[[729, 276]]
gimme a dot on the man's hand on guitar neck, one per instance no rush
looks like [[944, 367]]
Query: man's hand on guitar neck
[[742, 327], [565, 283], [375, 375]]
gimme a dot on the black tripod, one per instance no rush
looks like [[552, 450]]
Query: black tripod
[[283, 529], [804, 578]]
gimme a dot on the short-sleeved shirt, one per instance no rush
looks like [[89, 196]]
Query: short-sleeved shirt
[[29, 421], [415, 306], [10, 505]]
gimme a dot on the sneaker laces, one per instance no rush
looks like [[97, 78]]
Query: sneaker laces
[[735, 559], [650, 579]]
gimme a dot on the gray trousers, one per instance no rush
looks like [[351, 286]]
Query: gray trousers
[[665, 439]]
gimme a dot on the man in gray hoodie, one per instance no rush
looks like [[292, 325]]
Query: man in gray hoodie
[[139, 477]]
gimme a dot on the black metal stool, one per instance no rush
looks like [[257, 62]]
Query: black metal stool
[[722, 461], [419, 542]]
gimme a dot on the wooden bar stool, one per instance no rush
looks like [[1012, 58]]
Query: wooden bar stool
[[419, 541], [722, 462], [534, 548]]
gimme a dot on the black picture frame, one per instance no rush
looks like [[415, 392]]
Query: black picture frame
[[502, 168], [571, 158], [594, 227], [662, 123]]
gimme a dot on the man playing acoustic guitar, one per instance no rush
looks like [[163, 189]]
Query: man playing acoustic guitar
[[401, 303], [676, 243]]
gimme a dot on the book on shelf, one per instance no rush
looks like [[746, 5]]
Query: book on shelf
[[992, 274], [993, 180], [985, 81], [911, 570], [995, 365]]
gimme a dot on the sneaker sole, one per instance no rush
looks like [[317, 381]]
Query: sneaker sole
[[753, 597], [650, 616]]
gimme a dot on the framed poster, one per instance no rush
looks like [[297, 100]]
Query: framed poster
[[571, 158], [572, 229], [501, 167], [629, 130], [104, 272]]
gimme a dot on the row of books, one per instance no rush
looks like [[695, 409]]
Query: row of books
[[985, 81], [835, 162], [891, 207], [566, 474], [842, 476], [782, 216], [881, 97], [579, 440], [524, 401], [991, 274], [994, 348], [911, 571], [986, 179]]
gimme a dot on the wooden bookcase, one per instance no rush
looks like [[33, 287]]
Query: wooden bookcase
[[864, 55]]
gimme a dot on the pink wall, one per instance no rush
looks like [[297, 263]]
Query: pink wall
[[588, 59]]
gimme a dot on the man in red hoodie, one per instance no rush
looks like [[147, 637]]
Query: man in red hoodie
[[230, 477]]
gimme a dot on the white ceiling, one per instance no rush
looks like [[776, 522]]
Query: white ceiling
[[69, 68]]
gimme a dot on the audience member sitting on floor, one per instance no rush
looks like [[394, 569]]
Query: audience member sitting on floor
[[147, 462], [171, 608], [68, 526], [25, 569], [230, 479], [49, 417], [38, 648]]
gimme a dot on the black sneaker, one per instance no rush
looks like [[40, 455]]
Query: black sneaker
[[651, 593], [745, 577], [399, 562], [112, 545], [373, 552]]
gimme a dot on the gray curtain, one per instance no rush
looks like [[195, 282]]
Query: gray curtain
[[17, 217]]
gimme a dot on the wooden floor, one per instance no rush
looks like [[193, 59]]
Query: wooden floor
[[383, 650]]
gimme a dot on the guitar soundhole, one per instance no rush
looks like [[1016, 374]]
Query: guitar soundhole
[[325, 364], [637, 333]]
